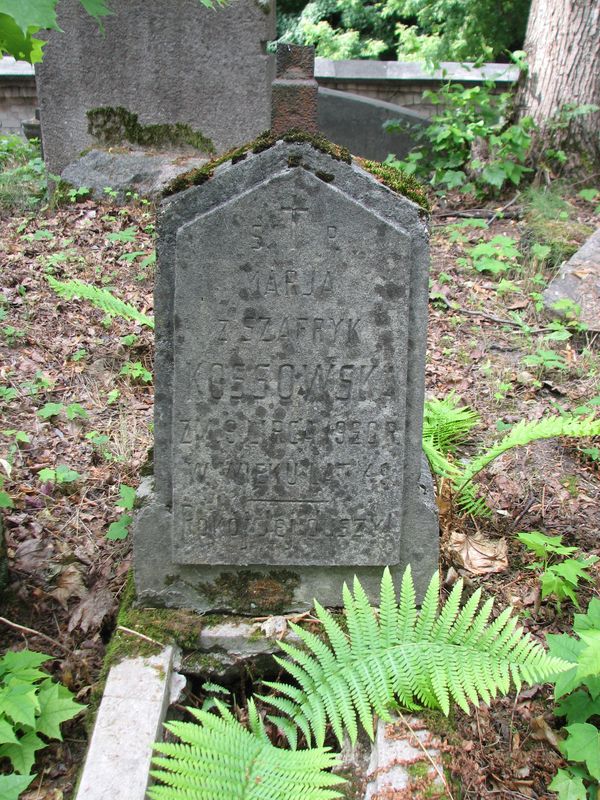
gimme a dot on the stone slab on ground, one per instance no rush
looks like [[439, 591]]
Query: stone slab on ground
[[398, 762], [579, 281], [140, 171], [136, 697]]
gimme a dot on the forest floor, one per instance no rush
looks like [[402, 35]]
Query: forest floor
[[79, 389]]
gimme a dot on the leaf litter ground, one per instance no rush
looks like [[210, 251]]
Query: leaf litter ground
[[66, 578]]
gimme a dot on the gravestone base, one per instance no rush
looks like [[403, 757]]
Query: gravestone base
[[257, 589]]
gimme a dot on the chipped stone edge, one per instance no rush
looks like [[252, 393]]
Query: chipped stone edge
[[134, 705]]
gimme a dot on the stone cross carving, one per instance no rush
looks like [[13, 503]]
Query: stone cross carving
[[294, 91]]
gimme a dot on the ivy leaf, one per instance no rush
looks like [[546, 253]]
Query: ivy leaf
[[7, 734], [22, 754], [56, 706], [127, 497], [583, 744], [568, 786], [120, 528], [18, 701], [17, 44], [569, 649], [23, 665], [577, 707], [589, 660], [11, 786], [31, 13], [96, 9]]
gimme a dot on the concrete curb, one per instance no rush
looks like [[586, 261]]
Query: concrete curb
[[137, 694]]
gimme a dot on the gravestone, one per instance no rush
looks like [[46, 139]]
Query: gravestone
[[291, 319], [168, 61]]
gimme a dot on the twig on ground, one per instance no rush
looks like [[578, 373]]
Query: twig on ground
[[25, 629], [143, 636], [503, 209], [482, 314]]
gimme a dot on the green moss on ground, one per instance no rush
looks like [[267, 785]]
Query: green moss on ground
[[257, 592], [113, 126]]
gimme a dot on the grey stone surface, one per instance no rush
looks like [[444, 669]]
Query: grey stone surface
[[356, 70], [357, 123], [134, 170], [137, 694], [395, 751], [291, 316], [167, 61], [579, 281]]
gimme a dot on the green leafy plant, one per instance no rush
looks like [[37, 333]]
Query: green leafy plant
[[22, 171], [580, 688], [461, 475], [72, 411], [126, 235], [380, 660], [468, 145], [120, 528], [61, 475], [136, 371], [100, 298], [32, 705], [498, 255], [545, 360], [559, 575]]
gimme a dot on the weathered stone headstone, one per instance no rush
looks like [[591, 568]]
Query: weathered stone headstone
[[168, 61], [291, 324]]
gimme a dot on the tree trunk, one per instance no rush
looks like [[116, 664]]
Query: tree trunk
[[563, 52]]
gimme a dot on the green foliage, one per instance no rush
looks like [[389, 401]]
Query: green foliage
[[136, 371], [22, 173], [62, 474], [401, 656], [559, 576], [580, 688], [445, 423], [72, 411], [100, 298], [220, 758], [523, 433], [31, 704], [120, 528], [468, 144], [409, 30], [497, 256], [552, 222], [545, 360]]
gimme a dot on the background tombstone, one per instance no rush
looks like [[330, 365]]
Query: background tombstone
[[291, 325], [167, 61]]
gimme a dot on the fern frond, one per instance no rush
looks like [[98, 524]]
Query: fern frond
[[446, 424], [100, 298], [219, 758], [526, 432], [429, 658]]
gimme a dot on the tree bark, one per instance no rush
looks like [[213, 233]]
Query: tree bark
[[563, 52]]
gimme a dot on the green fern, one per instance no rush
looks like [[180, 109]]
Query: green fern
[[404, 657], [446, 424], [442, 430], [220, 759], [101, 298]]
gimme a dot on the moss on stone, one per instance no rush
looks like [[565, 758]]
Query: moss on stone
[[113, 126], [397, 181], [255, 592]]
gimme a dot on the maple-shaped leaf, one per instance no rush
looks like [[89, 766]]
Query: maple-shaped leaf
[[565, 647], [18, 701], [583, 744], [568, 786], [11, 786], [7, 733], [577, 707], [589, 660], [31, 13], [22, 754], [96, 9], [590, 620], [56, 706], [23, 665]]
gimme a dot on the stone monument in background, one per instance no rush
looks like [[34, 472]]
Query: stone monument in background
[[167, 61], [291, 322]]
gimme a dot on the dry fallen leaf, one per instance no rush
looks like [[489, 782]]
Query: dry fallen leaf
[[69, 583], [477, 554], [92, 610], [541, 731]]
